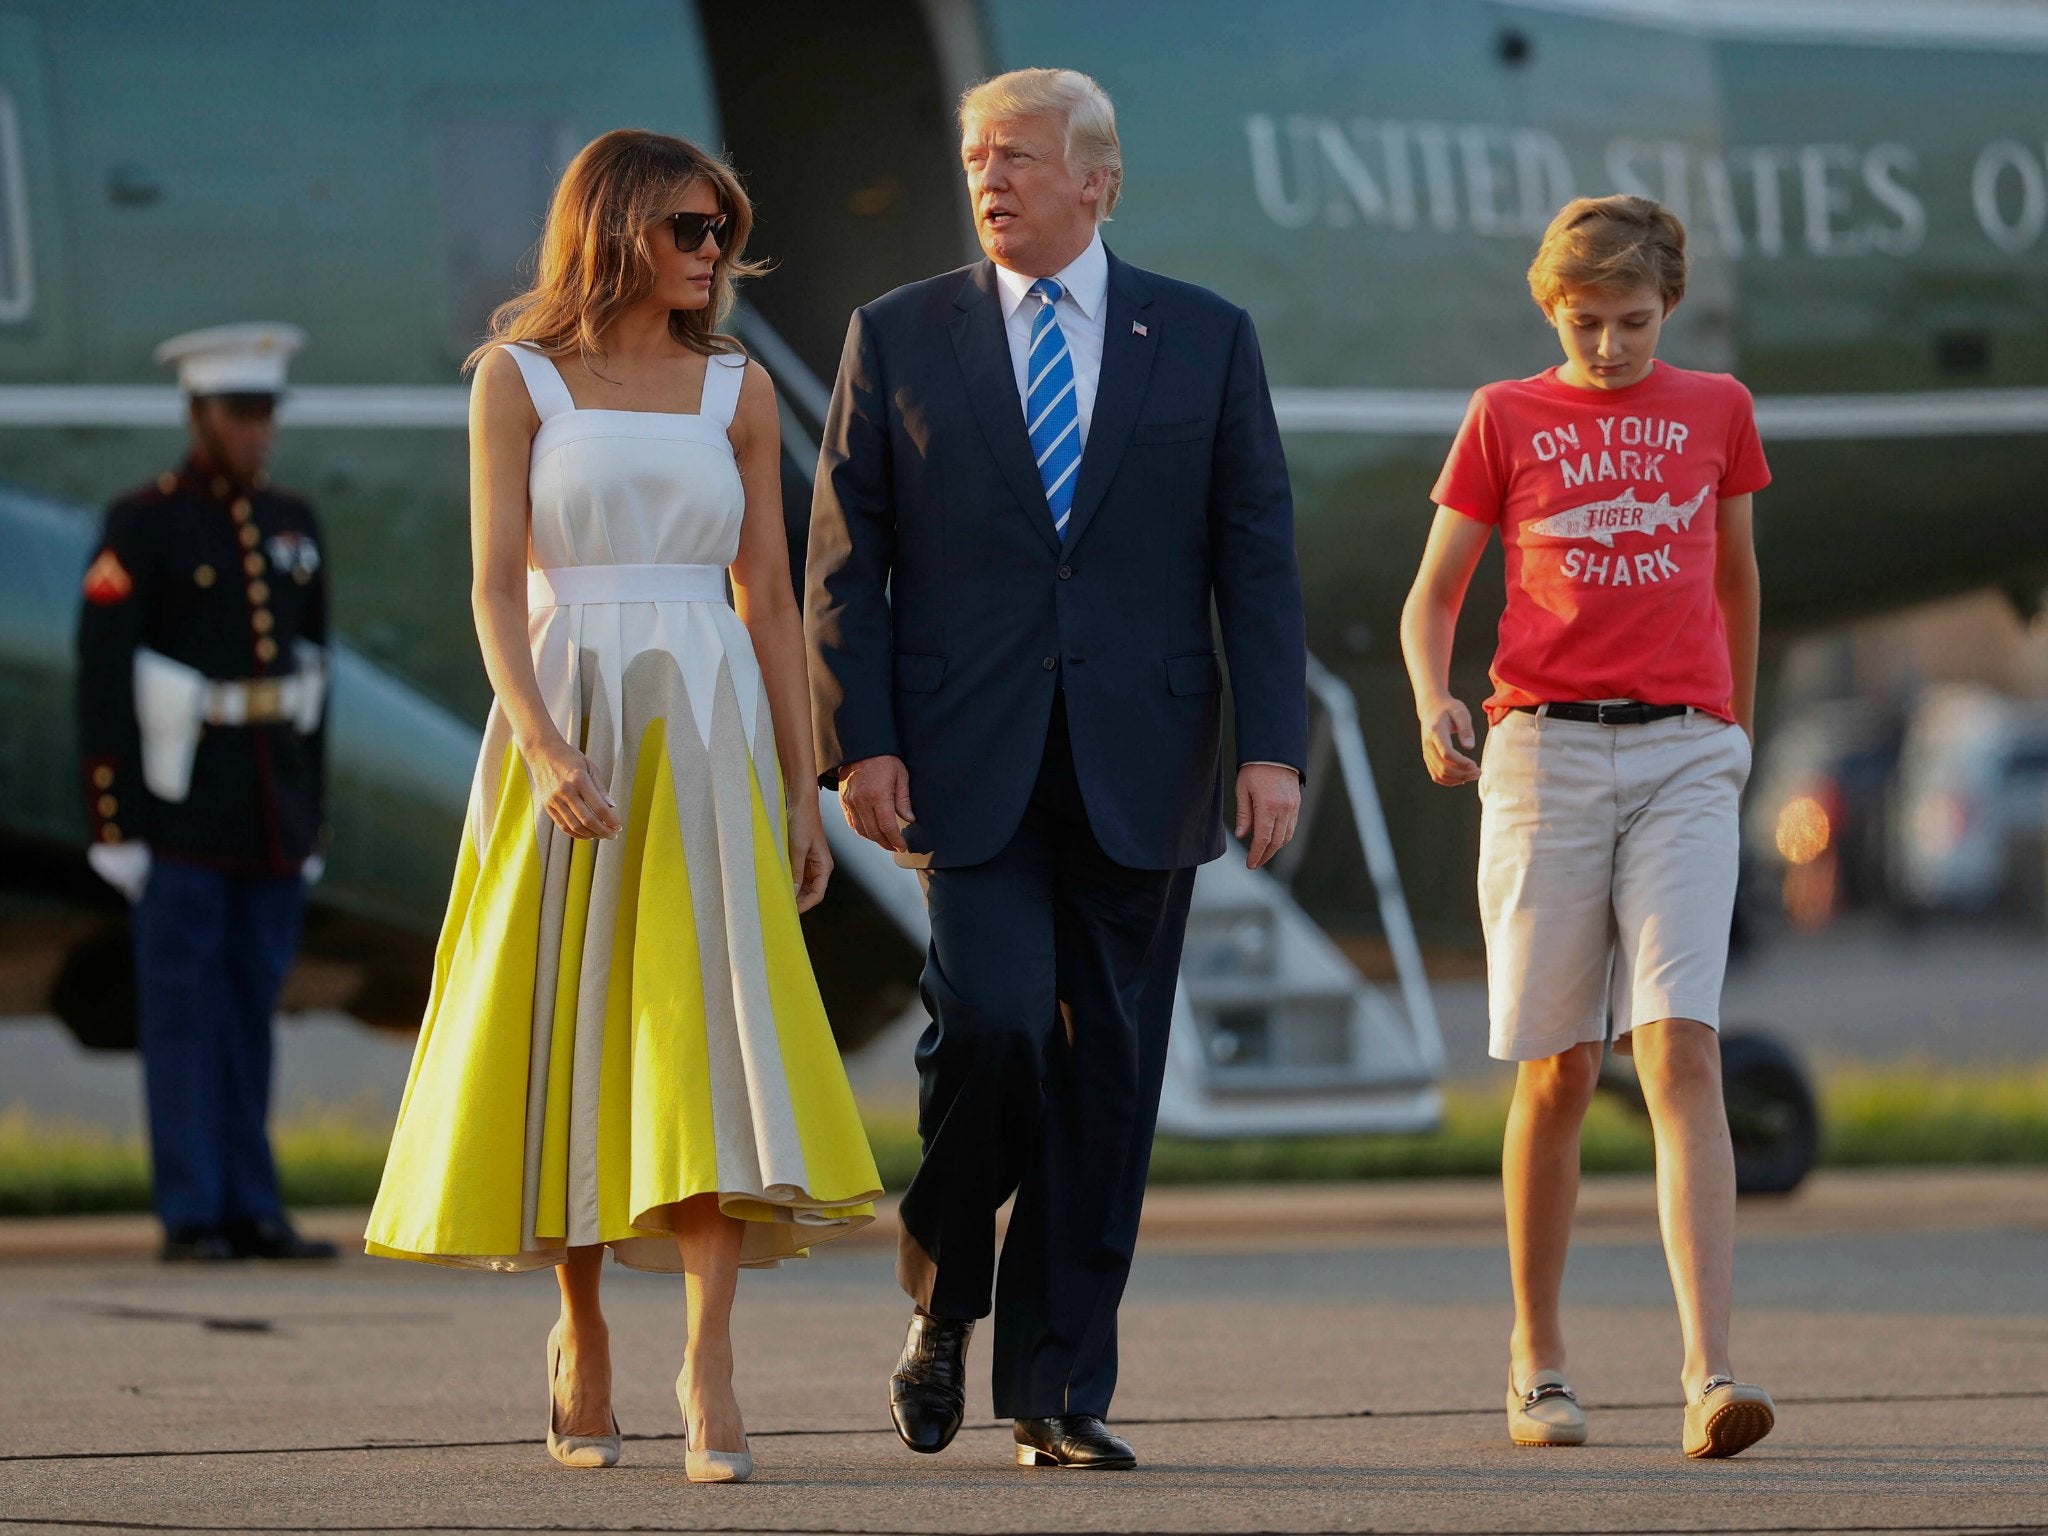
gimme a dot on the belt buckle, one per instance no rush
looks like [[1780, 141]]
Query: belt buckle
[[1623, 714], [266, 698]]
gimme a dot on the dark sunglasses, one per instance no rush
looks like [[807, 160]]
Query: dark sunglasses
[[691, 228]]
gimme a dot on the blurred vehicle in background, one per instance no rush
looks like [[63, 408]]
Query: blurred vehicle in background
[[1817, 815], [1969, 819]]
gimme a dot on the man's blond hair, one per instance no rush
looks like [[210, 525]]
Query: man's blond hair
[[1072, 97]]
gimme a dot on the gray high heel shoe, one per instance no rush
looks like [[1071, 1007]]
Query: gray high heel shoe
[[576, 1450], [709, 1466]]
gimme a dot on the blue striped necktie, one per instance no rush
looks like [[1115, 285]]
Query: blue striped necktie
[[1055, 420]]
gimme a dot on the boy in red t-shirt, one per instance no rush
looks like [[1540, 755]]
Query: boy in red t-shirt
[[1623, 702]]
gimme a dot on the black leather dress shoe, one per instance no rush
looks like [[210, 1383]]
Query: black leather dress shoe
[[1072, 1440], [195, 1245], [275, 1240], [928, 1393]]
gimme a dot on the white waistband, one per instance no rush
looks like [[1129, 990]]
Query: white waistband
[[567, 585], [295, 696]]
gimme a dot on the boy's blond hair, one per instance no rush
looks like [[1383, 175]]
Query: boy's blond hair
[[1610, 244]]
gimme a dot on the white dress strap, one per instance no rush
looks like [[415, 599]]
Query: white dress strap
[[723, 373], [544, 384]]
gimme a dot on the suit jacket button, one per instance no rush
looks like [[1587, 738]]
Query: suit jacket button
[[1066, 573], [1051, 662]]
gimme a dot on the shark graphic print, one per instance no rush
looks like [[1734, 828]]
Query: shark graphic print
[[1609, 508], [1602, 520]]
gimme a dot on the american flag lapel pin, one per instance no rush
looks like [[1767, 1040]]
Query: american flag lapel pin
[[1138, 329]]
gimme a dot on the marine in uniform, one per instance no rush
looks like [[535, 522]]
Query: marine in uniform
[[202, 715]]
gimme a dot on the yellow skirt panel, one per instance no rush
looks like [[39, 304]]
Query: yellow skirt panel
[[765, 1122]]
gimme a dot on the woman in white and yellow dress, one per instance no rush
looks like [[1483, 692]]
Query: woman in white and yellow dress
[[625, 1046]]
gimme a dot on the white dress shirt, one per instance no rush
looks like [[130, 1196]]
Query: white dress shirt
[[1080, 312]]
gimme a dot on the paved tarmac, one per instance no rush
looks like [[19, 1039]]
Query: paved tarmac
[[1304, 1359]]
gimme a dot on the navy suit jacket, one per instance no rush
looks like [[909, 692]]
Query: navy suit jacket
[[942, 609]]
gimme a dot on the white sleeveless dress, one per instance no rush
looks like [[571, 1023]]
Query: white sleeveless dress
[[617, 1026]]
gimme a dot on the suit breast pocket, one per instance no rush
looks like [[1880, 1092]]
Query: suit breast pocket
[[1194, 430]]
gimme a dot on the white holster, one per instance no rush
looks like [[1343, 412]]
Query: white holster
[[172, 702]]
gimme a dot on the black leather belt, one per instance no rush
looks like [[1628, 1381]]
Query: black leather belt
[[1630, 713]]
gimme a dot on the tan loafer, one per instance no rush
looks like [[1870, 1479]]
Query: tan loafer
[[1730, 1416], [1546, 1412]]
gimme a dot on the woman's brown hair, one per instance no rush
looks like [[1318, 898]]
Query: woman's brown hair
[[1611, 244], [593, 253]]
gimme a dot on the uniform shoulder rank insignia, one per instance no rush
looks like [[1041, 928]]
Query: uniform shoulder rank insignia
[[107, 580]]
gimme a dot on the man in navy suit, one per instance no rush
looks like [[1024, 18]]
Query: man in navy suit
[[1039, 475]]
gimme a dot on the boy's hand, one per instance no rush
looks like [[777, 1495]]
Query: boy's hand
[[1444, 730]]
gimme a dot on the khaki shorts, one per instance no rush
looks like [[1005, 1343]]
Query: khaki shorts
[[1607, 858]]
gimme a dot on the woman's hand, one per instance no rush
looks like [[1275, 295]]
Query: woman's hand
[[568, 790], [1447, 725], [809, 856]]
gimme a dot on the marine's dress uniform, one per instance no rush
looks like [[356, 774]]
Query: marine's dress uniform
[[201, 722]]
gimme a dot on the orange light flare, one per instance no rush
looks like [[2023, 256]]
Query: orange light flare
[[1806, 838], [1805, 830]]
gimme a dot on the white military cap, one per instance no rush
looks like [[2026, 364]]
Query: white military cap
[[233, 359]]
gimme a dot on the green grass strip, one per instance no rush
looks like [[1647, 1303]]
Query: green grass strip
[[1908, 1115]]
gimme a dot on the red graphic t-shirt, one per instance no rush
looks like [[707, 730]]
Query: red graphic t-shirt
[[1606, 502]]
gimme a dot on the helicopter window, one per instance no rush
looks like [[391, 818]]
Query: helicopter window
[[17, 288], [494, 175]]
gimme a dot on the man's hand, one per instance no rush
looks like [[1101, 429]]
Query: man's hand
[[875, 795], [124, 866], [1268, 802], [1446, 725]]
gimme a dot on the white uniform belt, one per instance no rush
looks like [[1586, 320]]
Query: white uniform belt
[[174, 701], [261, 699], [566, 585]]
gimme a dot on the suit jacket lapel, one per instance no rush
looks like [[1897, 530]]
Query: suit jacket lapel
[[983, 350], [1126, 371]]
